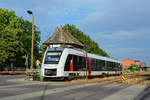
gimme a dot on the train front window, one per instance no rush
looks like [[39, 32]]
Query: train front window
[[52, 57]]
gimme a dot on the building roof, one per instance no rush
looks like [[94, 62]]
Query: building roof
[[128, 62], [61, 36]]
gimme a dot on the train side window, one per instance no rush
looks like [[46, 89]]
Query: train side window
[[99, 65], [103, 65], [81, 63], [113, 66], [96, 65], [76, 60], [107, 64], [93, 64], [116, 66], [84, 64], [96, 62], [110, 66]]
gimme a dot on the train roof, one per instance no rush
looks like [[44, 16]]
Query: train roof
[[96, 56], [103, 58], [83, 52], [55, 49]]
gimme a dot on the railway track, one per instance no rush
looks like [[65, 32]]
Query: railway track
[[131, 78]]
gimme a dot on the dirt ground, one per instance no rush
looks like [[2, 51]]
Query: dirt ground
[[142, 78]]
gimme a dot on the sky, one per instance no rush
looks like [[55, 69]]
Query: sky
[[120, 27]]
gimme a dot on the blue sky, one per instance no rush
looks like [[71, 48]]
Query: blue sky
[[120, 27]]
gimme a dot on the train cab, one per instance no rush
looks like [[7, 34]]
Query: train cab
[[50, 62]]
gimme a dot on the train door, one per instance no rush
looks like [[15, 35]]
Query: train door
[[89, 66]]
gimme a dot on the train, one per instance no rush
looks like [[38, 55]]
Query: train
[[68, 63]]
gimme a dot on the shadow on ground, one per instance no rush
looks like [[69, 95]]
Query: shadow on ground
[[144, 95]]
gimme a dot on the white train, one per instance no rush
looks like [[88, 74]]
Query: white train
[[69, 63]]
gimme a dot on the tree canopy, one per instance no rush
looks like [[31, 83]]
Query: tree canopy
[[15, 39], [90, 45]]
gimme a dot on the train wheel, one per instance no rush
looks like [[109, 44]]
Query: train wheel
[[104, 75], [44, 79], [67, 79]]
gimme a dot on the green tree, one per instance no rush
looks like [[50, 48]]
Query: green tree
[[15, 39], [90, 45], [9, 40], [26, 37], [134, 67]]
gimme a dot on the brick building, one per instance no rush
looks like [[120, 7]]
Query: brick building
[[126, 63]]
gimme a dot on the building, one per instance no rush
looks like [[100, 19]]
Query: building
[[62, 38], [126, 63]]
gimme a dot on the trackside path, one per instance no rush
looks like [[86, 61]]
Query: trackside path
[[126, 94], [109, 88], [103, 91], [50, 91]]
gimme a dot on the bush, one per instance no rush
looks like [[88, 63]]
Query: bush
[[133, 68]]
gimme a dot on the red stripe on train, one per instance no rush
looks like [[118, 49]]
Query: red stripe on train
[[72, 64], [80, 54]]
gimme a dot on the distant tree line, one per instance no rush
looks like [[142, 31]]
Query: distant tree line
[[15, 39]]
